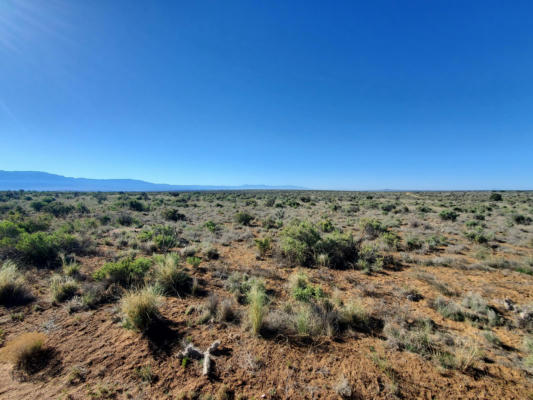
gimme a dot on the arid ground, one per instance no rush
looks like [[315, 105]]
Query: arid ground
[[311, 295]]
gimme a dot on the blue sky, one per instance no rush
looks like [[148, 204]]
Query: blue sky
[[344, 95]]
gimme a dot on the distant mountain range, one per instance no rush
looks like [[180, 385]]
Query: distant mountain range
[[34, 180]]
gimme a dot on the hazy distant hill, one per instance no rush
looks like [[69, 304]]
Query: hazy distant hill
[[34, 180]]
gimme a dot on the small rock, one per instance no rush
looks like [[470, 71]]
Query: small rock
[[509, 304], [414, 297]]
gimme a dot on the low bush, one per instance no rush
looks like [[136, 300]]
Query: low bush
[[126, 272], [58, 209], [302, 243], [240, 285], [392, 240], [136, 205], [413, 243], [301, 289], [263, 245], [298, 242], [495, 197], [448, 215], [173, 214], [372, 228], [194, 261], [164, 237], [521, 219], [369, 259], [243, 218], [125, 219], [211, 226], [326, 226], [211, 253], [477, 236]]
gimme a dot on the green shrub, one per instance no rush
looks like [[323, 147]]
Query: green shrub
[[125, 219], [136, 205], [448, 215], [340, 248], [173, 214], [413, 243], [301, 243], [263, 245], [240, 284], [194, 261], [372, 228], [386, 208], [165, 237], [211, 226], [391, 239], [9, 234], [477, 236], [495, 197], [58, 209], [39, 248], [326, 225], [141, 308], [31, 225], [298, 241], [271, 223], [243, 218], [125, 272], [369, 259], [521, 219], [302, 290]]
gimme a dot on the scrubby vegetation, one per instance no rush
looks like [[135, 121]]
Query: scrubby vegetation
[[362, 295]]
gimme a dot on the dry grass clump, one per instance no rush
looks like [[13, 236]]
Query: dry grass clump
[[416, 337], [62, 288], [214, 308], [25, 352], [343, 388], [12, 284], [464, 357], [169, 277], [141, 308], [257, 306], [319, 317], [528, 347]]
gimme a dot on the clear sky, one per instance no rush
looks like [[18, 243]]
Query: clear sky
[[346, 95]]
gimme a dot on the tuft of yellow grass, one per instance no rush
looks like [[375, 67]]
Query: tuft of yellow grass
[[24, 351], [12, 283], [141, 308]]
